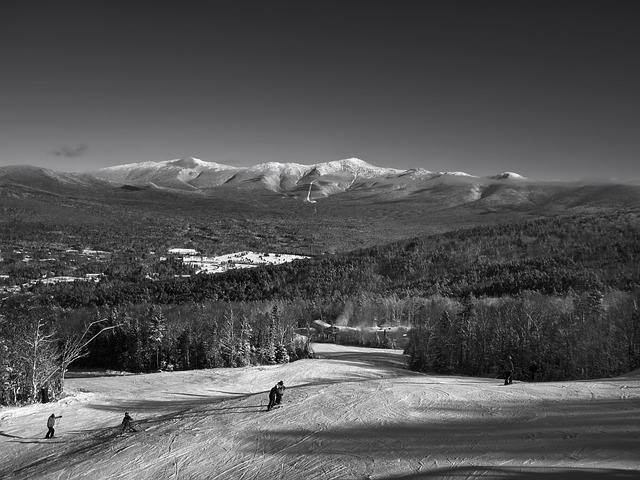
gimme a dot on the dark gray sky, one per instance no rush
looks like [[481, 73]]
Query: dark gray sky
[[547, 89]]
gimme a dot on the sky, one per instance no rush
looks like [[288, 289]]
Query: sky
[[546, 89]]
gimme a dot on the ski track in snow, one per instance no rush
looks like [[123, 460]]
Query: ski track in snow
[[350, 414]]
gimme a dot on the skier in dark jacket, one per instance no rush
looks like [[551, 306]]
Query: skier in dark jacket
[[51, 422], [275, 395], [127, 423], [279, 392], [508, 370]]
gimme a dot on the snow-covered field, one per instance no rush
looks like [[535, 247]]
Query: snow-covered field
[[351, 414], [237, 260]]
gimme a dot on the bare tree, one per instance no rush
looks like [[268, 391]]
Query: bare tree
[[39, 357], [73, 348]]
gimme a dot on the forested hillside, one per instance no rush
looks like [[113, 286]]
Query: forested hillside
[[551, 256], [559, 294]]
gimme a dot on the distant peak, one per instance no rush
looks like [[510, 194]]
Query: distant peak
[[354, 161], [186, 162], [355, 166], [349, 163], [453, 174], [508, 175]]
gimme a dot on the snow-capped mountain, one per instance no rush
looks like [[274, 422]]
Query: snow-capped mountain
[[351, 183], [356, 167], [327, 178], [187, 167], [194, 174], [313, 182], [508, 176]]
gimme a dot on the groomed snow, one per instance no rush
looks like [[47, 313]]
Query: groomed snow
[[351, 414]]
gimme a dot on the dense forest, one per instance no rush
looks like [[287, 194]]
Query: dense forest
[[560, 295], [551, 256]]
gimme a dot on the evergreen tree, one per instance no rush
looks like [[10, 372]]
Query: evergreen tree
[[441, 339], [228, 345], [463, 335], [244, 350], [280, 354], [156, 331], [183, 347]]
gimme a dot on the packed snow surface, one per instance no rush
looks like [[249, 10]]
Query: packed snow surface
[[351, 414]]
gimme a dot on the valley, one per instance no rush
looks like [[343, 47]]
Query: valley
[[457, 258], [351, 209], [385, 302]]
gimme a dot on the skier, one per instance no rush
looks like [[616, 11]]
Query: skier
[[275, 395], [508, 370], [279, 392], [127, 424], [51, 422]]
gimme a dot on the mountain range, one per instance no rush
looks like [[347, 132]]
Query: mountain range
[[322, 180], [333, 206], [348, 180]]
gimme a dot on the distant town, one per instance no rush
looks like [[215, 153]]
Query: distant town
[[231, 261], [21, 268]]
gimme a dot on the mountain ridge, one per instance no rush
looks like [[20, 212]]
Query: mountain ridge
[[347, 180], [274, 176], [290, 208], [293, 179]]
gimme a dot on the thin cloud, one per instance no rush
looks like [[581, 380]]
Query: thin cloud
[[70, 152]]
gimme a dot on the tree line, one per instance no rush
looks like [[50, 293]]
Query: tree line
[[550, 337], [38, 345]]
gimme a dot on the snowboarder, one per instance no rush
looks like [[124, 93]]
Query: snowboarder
[[127, 423], [508, 370], [275, 395], [51, 422]]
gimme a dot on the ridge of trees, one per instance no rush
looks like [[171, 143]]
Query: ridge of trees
[[551, 256]]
